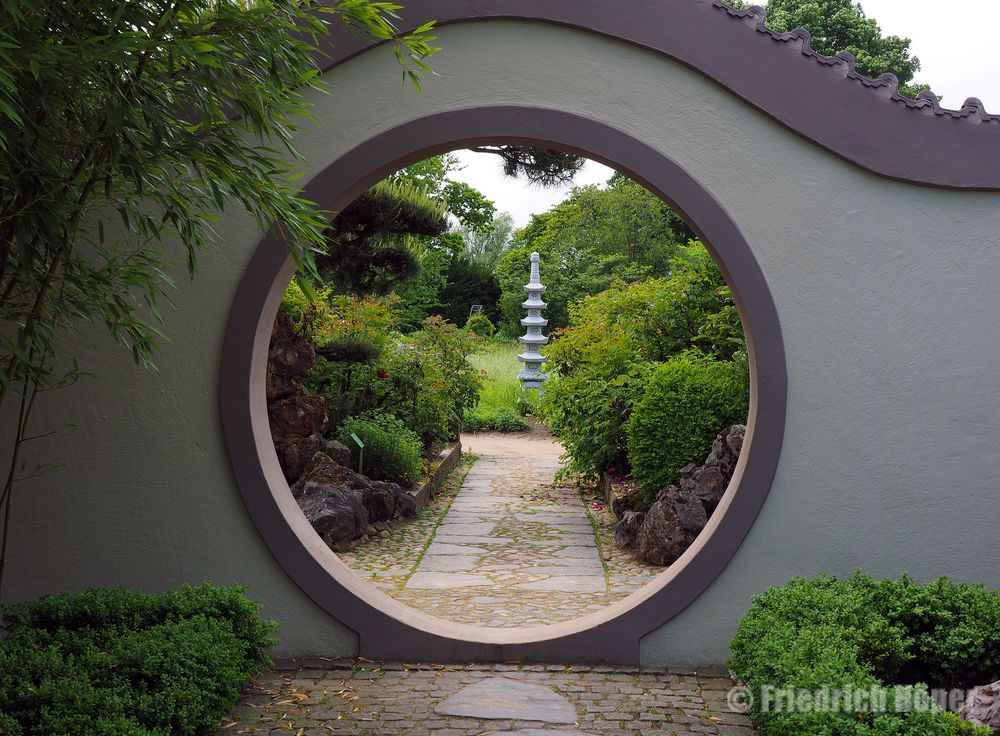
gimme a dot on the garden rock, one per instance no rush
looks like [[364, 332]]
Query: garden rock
[[625, 497], [379, 501], [290, 355], [294, 454], [726, 450], [627, 531], [670, 526], [707, 482], [298, 417], [335, 509], [406, 504], [982, 707]]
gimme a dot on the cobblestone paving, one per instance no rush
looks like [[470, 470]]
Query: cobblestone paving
[[510, 549], [368, 699]]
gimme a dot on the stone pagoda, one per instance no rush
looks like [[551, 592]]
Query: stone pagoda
[[531, 375]]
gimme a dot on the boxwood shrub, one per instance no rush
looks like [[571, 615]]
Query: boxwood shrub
[[116, 662], [685, 404], [862, 633]]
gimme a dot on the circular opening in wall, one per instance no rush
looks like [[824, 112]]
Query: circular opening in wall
[[344, 440], [514, 391]]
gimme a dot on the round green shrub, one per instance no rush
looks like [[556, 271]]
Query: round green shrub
[[113, 662], [480, 324], [685, 404], [861, 634], [392, 451]]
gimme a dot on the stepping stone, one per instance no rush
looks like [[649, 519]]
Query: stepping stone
[[448, 563], [441, 536], [567, 584], [540, 732], [504, 699], [443, 548], [445, 580], [577, 569], [580, 551], [562, 541], [466, 528]]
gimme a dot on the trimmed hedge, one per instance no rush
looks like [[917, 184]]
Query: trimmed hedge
[[862, 633], [685, 404], [392, 451], [114, 662], [495, 420]]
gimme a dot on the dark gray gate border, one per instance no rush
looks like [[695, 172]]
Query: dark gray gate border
[[388, 629], [819, 98]]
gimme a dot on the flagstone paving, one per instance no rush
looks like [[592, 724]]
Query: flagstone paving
[[508, 548], [333, 697]]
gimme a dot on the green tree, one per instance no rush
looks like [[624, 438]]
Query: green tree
[[486, 247], [127, 128], [469, 283], [599, 234], [840, 25], [367, 249], [544, 166], [468, 205], [420, 296], [600, 363]]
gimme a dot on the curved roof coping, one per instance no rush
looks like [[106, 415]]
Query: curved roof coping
[[972, 109], [819, 98]]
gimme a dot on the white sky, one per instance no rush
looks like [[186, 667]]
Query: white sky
[[956, 43]]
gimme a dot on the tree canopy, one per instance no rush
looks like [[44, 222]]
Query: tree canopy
[[840, 25], [597, 235], [126, 128]]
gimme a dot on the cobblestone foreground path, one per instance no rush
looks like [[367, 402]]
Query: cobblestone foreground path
[[510, 549], [324, 697]]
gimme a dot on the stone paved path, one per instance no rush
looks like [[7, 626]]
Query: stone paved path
[[511, 549], [325, 697]]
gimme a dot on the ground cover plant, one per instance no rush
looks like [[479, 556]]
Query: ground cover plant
[[861, 633], [392, 452], [114, 662]]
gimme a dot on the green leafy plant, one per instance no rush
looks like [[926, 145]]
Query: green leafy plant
[[113, 661], [127, 129], [392, 451], [617, 337], [864, 634], [686, 403]]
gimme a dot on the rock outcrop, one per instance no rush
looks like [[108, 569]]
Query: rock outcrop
[[343, 506], [628, 528], [982, 707], [625, 497], [680, 512], [297, 416], [670, 526]]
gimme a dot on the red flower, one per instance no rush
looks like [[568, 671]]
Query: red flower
[[382, 373]]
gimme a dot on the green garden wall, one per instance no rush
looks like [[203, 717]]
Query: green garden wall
[[885, 292]]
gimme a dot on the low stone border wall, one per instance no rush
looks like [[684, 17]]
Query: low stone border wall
[[440, 468]]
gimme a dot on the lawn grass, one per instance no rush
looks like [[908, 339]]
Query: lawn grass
[[498, 361], [498, 409]]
